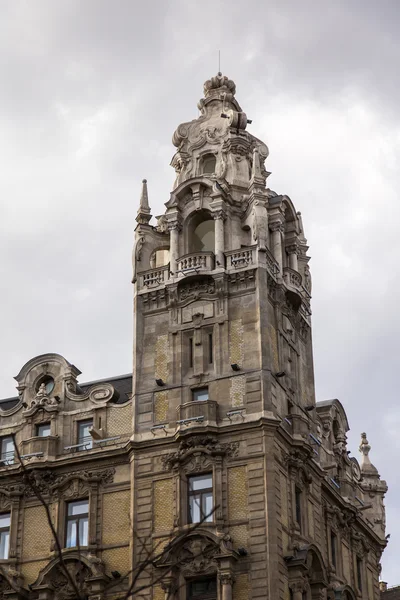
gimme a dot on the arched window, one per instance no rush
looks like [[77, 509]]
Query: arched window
[[204, 237], [209, 162]]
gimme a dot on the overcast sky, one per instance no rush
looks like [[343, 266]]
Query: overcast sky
[[91, 93]]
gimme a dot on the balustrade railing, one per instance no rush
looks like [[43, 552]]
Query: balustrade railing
[[243, 257], [195, 262], [292, 278], [154, 277]]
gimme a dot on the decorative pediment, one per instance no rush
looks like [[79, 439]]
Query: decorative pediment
[[80, 573], [73, 484], [198, 552], [198, 452]]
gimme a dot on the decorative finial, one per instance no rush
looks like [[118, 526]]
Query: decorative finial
[[366, 465], [219, 84], [144, 213]]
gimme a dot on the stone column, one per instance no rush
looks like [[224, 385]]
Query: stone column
[[297, 587], [226, 580], [277, 230], [219, 218], [173, 246], [292, 250]]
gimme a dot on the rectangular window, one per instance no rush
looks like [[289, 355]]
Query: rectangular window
[[43, 430], [5, 522], [202, 589], [190, 352], [7, 450], [201, 394], [77, 524], [333, 548], [201, 501], [359, 574], [84, 437], [210, 349], [298, 507]]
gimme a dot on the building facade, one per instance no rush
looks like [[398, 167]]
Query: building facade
[[211, 472]]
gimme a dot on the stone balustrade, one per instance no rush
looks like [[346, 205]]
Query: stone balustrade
[[292, 278], [243, 257], [196, 261], [154, 277]]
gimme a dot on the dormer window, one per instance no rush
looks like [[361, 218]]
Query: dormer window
[[208, 164]]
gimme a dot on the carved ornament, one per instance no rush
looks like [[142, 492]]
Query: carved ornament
[[71, 485], [197, 453]]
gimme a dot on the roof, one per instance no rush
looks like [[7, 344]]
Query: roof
[[122, 383], [392, 593]]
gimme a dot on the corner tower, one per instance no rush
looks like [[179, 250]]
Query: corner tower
[[226, 431], [222, 297]]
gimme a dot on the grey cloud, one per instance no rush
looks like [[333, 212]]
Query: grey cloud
[[91, 94]]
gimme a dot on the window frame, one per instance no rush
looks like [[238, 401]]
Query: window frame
[[77, 519], [7, 457], [206, 596], [85, 442], [204, 493], [6, 530], [298, 508], [38, 426], [199, 390]]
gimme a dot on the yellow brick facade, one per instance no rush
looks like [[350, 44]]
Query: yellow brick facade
[[237, 493], [163, 519], [116, 513]]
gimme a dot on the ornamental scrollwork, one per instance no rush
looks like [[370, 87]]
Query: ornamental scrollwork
[[197, 452], [48, 483]]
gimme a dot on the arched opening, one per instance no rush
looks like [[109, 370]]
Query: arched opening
[[159, 258], [208, 164], [201, 232], [204, 236]]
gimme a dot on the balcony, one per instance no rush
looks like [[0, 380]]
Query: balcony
[[196, 262], [239, 259], [200, 411], [153, 277], [292, 279], [38, 445]]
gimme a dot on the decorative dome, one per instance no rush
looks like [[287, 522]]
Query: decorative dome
[[219, 83]]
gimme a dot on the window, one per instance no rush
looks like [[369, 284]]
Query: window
[[210, 349], [202, 589], [298, 506], [5, 521], [84, 437], [77, 524], [200, 498], [7, 450], [200, 394], [333, 548], [190, 352], [209, 163], [43, 430], [359, 573]]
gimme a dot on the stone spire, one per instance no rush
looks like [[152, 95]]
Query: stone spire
[[367, 468], [144, 213]]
